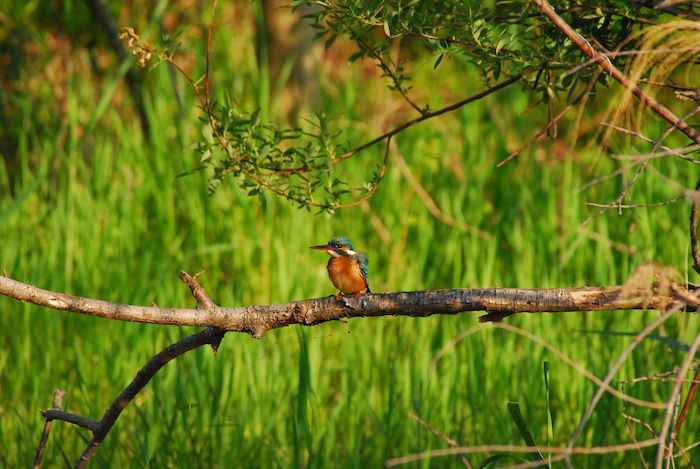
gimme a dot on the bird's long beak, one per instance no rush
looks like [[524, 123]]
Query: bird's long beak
[[325, 247]]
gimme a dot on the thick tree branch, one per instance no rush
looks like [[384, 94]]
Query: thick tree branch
[[613, 71], [499, 302], [257, 320]]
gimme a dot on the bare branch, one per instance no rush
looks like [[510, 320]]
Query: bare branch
[[643, 164], [203, 300], [605, 63], [615, 367], [75, 419], [209, 336], [623, 206], [257, 320]]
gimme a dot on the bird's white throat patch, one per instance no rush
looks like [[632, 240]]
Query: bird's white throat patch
[[334, 253]]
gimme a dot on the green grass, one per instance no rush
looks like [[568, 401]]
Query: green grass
[[102, 214]]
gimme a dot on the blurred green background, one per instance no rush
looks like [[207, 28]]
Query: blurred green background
[[89, 207]]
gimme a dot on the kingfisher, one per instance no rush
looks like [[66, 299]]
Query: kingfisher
[[347, 269]]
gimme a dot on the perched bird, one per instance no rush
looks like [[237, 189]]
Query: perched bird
[[347, 269]]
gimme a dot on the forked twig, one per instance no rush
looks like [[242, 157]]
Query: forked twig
[[628, 426], [606, 64], [662, 448], [57, 403], [644, 162], [552, 122], [616, 366], [210, 335]]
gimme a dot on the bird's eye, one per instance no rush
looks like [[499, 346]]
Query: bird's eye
[[336, 246]]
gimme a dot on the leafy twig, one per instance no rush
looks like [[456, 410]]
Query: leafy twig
[[613, 71]]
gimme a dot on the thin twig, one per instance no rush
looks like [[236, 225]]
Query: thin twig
[[616, 366], [638, 421], [687, 448], [606, 177], [387, 70], [606, 64], [553, 121], [429, 115], [75, 419], [694, 228], [660, 154], [662, 448], [57, 403], [683, 454], [618, 201], [602, 385], [627, 206], [375, 185], [671, 151], [623, 53], [430, 204], [519, 449], [628, 426], [440, 435]]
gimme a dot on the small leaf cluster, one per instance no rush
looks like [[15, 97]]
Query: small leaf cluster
[[261, 157]]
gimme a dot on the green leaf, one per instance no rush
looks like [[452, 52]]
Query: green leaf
[[329, 42], [206, 156], [437, 62], [386, 28], [501, 42], [263, 200], [517, 416], [550, 420], [255, 118]]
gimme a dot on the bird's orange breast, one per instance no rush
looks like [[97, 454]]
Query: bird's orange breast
[[346, 276]]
